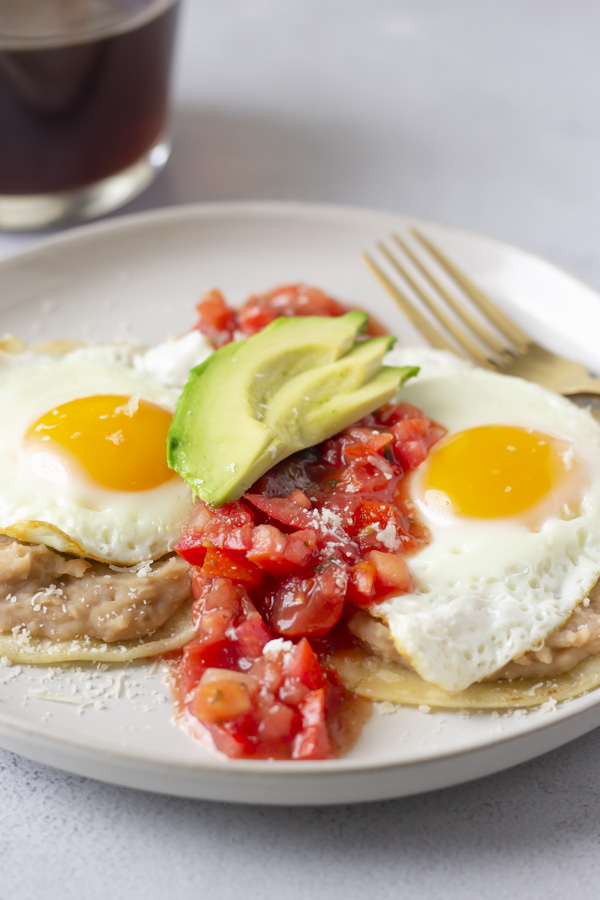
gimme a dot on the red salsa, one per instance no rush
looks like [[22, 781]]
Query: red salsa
[[274, 573], [223, 323]]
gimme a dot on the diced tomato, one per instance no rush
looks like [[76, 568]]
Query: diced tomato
[[435, 434], [415, 437], [214, 311], [230, 527], [198, 519], [304, 300], [300, 498], [409, 429], [391, 571], [255, 317], [293, 691], [392, 413], [222, 695], [289, 300], [227, 528], [217, 593], [356, 443], [221, 563], [191, 548], [215, 318], [192, 665], [299, 548], [277, 726], [252, 636], [283, 510], [361, 585], [312, 605], [312, 742], [380, 514], [327, 531], [235, 513], [343, 505], [268, 547], [199, 584], [204, 654], [278, 553], [410, 454], [361, 443], [226, 537], [213, 624], [232, 742], [269, 671], [303, 664], [365, 478]]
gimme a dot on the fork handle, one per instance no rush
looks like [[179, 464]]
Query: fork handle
[[584, 384]]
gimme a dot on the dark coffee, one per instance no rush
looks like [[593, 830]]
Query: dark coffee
[[76, 110]]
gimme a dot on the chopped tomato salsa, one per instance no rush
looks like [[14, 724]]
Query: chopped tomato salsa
[[326, 529], [223, 323]]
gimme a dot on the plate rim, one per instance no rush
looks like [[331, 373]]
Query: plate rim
[[49, 240]]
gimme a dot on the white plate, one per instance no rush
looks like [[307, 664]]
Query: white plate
[[143, 275]]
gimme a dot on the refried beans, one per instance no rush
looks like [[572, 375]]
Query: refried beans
[[50, 595]]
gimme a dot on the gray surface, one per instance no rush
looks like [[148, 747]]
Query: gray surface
[[479, 113]]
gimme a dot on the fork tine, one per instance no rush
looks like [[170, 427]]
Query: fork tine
[[423, 325], [466, 342], [515, 334], [484, 335]]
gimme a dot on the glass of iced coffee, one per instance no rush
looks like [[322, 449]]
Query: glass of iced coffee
[[83, 105]]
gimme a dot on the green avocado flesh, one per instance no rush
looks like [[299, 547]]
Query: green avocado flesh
[[292, 385]]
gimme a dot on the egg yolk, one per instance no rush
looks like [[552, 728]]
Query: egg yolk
[[497, 470], [120, 441]]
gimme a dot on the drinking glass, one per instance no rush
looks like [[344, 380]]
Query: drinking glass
[[83, 105]]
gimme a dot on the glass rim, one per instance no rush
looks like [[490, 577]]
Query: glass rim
[[23, 41]]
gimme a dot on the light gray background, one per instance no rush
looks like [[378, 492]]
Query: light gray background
[[481, 113]]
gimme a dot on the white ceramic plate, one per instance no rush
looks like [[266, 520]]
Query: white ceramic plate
[[142, 275]]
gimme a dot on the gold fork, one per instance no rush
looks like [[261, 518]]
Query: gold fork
[[499, 344]]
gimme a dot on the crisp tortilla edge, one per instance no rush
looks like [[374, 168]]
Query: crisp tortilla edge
[[22, 648], [370, 677]]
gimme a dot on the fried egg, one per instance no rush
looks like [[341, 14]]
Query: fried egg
[[83, 449], [511, 497]]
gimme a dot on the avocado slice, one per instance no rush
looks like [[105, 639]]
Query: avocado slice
[[312, 401], [254, 402]]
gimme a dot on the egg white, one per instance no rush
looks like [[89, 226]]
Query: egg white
[[489, 590], [59, 505]]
